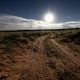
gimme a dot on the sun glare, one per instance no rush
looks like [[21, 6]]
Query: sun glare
[[49, 17]]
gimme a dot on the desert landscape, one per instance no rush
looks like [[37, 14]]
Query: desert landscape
[[40, 54]]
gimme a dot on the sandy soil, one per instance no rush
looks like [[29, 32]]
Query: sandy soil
[[30, 62]]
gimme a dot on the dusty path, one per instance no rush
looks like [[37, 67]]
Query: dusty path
[[65, 52], [39, 43], [26, 64], [70, 60], [32, 63]]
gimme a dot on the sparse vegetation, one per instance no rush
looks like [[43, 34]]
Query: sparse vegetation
[[9, 40], [50, 49], [40, 55], [67, 75], [70, 37]]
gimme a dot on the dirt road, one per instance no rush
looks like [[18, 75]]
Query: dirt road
[[32, 63], [68, 53]]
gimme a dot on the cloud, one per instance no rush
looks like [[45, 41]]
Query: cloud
[[10, 22]]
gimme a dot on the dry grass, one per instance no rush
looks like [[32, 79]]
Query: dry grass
[[31, 55]]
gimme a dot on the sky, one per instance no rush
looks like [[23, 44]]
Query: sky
[[28, 14], [65, 10]]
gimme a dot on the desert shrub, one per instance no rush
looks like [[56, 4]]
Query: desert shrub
[[8, 41], [65, 40], [50, 50], [51, 65], [23, 40], [3, 77], [34, 49], [66, 75], [33, 35], [11, 40], [24, 75], [70, 37], [30, 36], [74, 38]]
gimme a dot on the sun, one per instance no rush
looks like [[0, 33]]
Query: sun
[[49, 17]]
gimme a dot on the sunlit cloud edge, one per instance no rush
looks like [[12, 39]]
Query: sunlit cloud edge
[[11, 22]]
